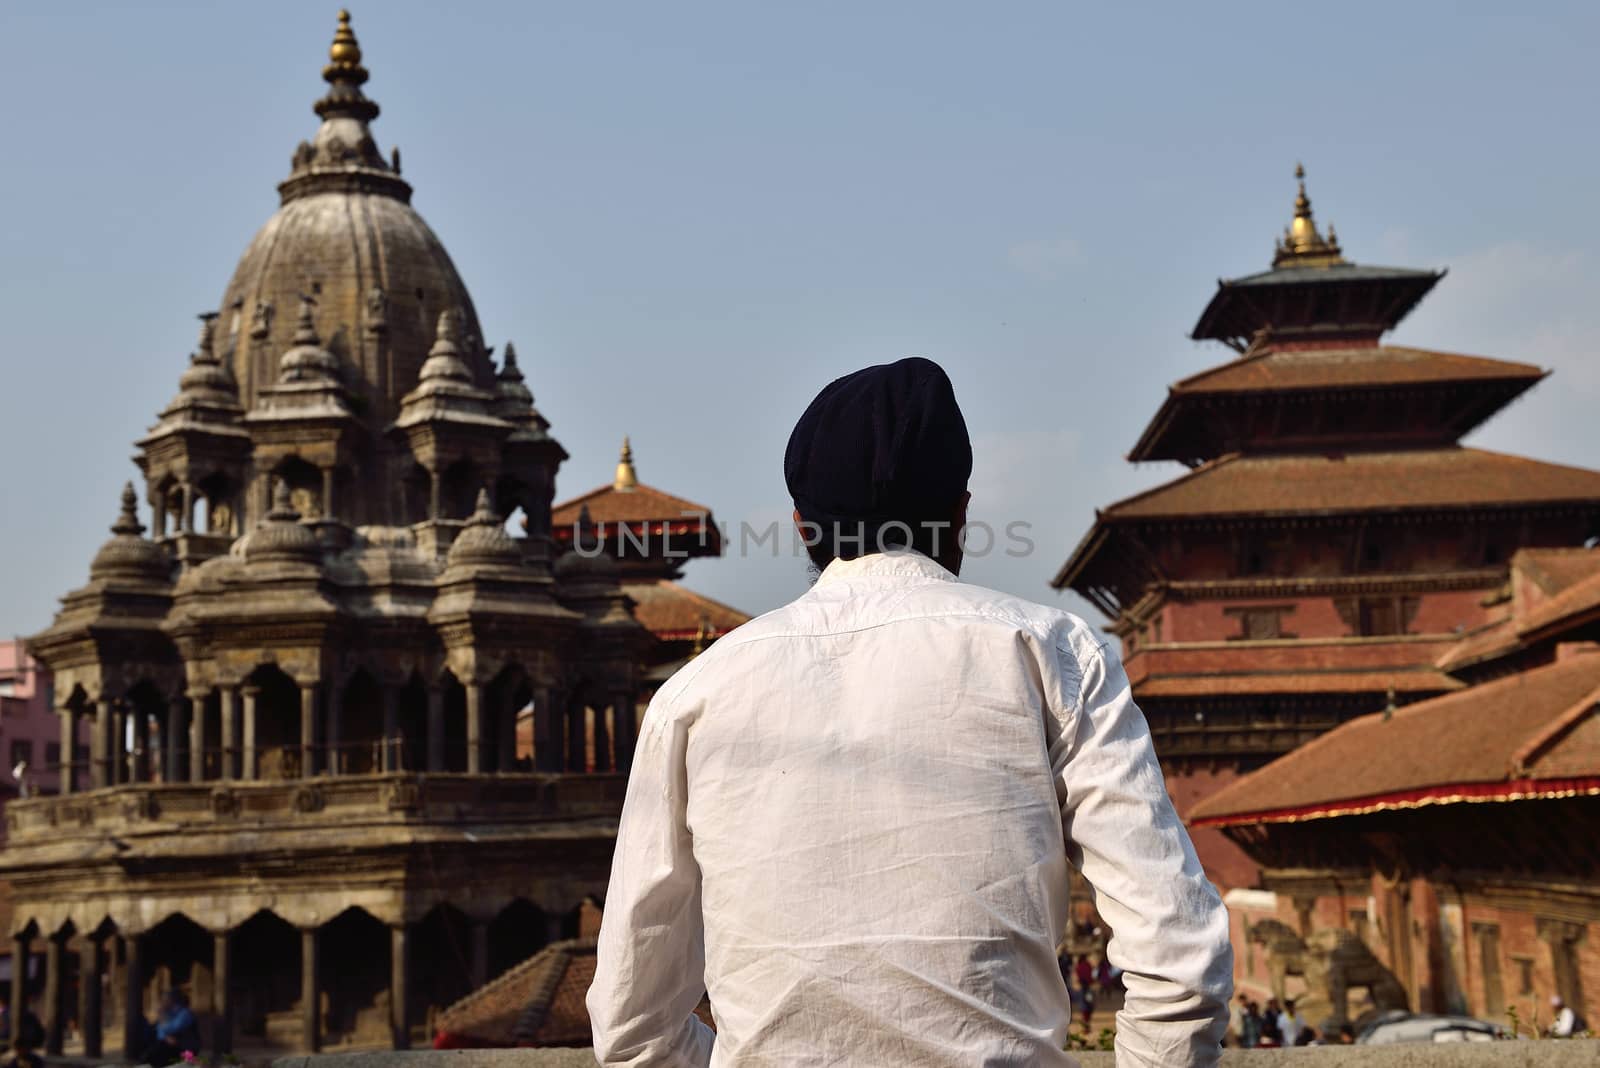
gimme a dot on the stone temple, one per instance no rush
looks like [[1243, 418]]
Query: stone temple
[[305, 801]]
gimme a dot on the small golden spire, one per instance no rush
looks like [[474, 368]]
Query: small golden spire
[[1301, 244], [626, 478], [344, 54]]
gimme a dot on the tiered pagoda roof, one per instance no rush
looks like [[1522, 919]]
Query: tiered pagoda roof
[[1317, 419], [627, 512], [1532, 734]]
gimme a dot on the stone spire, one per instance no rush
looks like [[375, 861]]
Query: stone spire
[[484, 540], [1301, 244], [307, 360], [343, 156], [129, 555], [514, 400], [206, 389], [445, 389], [626, 479]]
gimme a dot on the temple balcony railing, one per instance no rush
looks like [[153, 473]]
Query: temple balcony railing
[[444, 798]]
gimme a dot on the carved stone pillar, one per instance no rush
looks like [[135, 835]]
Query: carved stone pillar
[[327, 493], [21, 959], [310, 992], [221, 1004], [506, 734], [174, 766], [474, 728], [436, 761], [230, 733], [55, 1015], [549, 735], [103, 755], [623, 704], [250, 696], [602, 738], [399, 1010], [577, 735], [393, 759], [308, 729], [117, 745], [198, 741], [69, 748], [433, 495], [333, 756], [91, 972], [139, 765], [133, 1018]]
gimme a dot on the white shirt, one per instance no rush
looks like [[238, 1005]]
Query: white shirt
[[851, 820]]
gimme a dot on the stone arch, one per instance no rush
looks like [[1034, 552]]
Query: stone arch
[[177, 955], [277, 723], [454, 697], [144, 709], [361, 725], [305, 485], [413, 715], [516, 933], [509, 692], [265, 1008], [442, 938], [208, 764], [458, 489], [220, 493], [415, 492], [353, 975]]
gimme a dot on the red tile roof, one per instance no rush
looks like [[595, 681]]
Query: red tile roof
[[1355, 367], [639, 504], [536, 1003], [673, 613], [1401, 480], [1571, 577], [1501, 739], [1377, 682]]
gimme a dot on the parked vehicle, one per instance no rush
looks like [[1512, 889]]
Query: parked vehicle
[[1394, 1027]]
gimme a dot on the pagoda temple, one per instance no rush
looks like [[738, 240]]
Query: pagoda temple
[[1332, 537], [651, 534], [305, 801]]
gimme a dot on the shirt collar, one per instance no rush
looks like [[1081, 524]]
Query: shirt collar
[[898, 563]]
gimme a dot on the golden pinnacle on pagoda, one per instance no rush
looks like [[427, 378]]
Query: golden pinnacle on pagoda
[[1301, 244], [344, 53], [626, 478]]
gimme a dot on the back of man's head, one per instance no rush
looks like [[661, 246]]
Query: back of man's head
[[880, 460]]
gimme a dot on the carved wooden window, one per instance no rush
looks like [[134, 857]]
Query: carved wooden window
[[21, 749], [1374, 617], [1524, 974], [1260, 623], [1494, 997]]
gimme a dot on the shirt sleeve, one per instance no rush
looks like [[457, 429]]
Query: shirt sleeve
[[1169, 928], [651, 968]]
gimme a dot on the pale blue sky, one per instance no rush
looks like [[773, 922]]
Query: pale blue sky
[[691, 216]]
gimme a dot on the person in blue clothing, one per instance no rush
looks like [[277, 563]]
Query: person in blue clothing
[[176, 1031]]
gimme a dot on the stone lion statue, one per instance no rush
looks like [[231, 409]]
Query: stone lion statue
[[1331, 961]]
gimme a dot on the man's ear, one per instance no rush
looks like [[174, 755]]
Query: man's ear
[[960, 518]]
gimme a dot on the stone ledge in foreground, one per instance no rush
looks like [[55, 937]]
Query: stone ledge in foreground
[[1527, 1054]]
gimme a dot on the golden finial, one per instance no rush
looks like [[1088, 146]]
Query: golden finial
[[701, 634], [626, 478], [1302, 245], [344, 54]]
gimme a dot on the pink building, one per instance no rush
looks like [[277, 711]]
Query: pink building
[[30, 731]]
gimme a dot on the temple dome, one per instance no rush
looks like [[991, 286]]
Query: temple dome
[[130, 555], [484, 541], [346, 232]]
